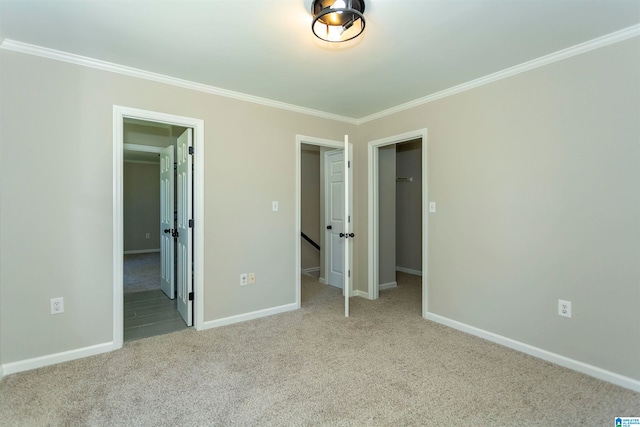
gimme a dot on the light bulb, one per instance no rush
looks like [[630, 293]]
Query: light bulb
[[339, 4], [334, 32]]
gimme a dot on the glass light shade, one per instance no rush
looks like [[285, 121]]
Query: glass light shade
[[337, 20]]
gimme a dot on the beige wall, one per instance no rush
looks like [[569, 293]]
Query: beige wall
[[536, 179], [141, 206], [409, 206], [56, 203], [310, 205], [387, 215]]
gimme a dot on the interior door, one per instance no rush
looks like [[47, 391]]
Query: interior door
[[185, 227], [334, 164], [167, 227], [348, 229]]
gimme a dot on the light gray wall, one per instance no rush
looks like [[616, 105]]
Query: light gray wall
[[141, 211], [409, 206], [56, 215], [310, 205], [387, 214], [536, 178]]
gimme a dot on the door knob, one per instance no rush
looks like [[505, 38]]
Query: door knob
[[342, 234], [351, 235], [329, 227], [167, 230]]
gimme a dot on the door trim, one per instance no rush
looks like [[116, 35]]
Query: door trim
[[310, 140], [119, 114], [374, 209]]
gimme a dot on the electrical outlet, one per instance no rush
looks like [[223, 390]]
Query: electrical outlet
[[564, 308], [252, 278], [57, 305], [148, 235], [243, 279]]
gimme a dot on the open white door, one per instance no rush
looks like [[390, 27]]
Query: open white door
[[348, 232], [185, 226], [167, 248], [334, 205]]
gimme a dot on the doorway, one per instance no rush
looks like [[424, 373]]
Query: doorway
[[149, 174], [332, 155], [190, 224], [383, 185]]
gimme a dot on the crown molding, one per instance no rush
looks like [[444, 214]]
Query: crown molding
[[16, 46], [615, 37], [599, 42]]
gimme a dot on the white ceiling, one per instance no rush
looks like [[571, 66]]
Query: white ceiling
[[410, 48]]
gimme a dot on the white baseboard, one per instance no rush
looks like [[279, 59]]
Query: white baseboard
[[409, 271], [389, 285], [357, 293], [53, 359], [310, 270], [323, 281], [142, 251], [566, 362], [249, 316]]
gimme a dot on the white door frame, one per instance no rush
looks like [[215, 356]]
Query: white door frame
[[119, 114], [310, 140], [374, 210]]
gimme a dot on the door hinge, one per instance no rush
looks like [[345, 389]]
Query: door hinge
[[191, 150], [349, 273], [190, 296], [190, 223], [349, 164]]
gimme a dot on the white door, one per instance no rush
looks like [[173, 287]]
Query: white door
[[167, 228], [348, 229], [334, 196], [185, 227]]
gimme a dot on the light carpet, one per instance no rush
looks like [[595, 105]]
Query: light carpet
[[141, 272], [383, 366]]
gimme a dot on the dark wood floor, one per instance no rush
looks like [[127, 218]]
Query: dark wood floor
[[149, 313]]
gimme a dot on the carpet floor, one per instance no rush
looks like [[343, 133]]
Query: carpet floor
[[141, 272], [383, 366]]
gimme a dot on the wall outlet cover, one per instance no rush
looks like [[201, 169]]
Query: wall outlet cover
[[57, 305], [564, 308]]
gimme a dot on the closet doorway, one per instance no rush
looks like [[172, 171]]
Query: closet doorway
[[397, 213]]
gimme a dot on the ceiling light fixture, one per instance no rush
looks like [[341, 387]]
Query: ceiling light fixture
[[337, 20]]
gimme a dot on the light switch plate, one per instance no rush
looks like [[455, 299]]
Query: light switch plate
[[432, 207], [274, 206]]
